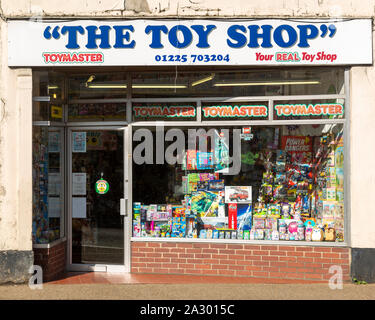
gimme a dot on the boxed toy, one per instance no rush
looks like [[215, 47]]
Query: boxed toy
[[244, 216], [216, 185], [258, 222], [232, 216], [204, 160], [191, 160], [207, 204], [178, 227], [238, 194]]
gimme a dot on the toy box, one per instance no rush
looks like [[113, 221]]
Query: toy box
[[244, 216], [238, 194], [204, 160], [191, 160]]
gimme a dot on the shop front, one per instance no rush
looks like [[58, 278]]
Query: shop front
[[193, 147]]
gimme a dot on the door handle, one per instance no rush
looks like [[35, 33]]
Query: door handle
[[123, 205]]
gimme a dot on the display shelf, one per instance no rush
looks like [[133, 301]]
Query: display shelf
[[251, 242]]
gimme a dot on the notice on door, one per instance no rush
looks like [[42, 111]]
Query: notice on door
[[79, 184], [79, 207]]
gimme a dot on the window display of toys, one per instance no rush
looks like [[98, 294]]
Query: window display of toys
[[294, 191]]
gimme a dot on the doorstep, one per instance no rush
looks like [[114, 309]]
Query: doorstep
[[130, 278]]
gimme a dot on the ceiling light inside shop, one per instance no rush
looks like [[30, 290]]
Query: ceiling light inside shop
[[52, 87], [106, 85], [269, 83], [203, 80], [159, 86]]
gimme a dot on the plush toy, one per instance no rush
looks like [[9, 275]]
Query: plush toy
[[317, 234], [330, 234]]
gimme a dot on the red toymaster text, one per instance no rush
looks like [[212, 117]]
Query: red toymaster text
[[73, 57]]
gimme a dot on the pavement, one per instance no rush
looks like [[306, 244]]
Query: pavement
[[102, 286]]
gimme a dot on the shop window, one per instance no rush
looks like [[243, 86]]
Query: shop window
[[285, 183], [238, 83], [48, 196]]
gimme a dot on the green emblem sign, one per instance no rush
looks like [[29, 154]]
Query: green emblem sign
[[101, 186]]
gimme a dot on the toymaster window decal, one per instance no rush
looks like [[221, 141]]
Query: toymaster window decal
[[235, 111], [307, 110]]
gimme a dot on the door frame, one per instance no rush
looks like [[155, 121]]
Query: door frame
[[127, 163]]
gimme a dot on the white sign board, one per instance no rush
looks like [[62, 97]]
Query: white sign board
[[190, 42]]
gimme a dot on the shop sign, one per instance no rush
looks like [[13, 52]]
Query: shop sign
[[241, 111], [164, 111], [101, 186], [190, 42], [307, 110]]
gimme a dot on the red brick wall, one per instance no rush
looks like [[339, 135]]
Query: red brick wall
[[302, 263], [52, 260]]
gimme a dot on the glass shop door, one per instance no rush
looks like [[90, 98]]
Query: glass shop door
[[98, 167]]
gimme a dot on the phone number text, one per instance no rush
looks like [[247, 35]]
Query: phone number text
[[192, 58]]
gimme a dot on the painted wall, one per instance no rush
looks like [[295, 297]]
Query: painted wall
[[15, 154], [15, 95], [204, 8], [362, 156]]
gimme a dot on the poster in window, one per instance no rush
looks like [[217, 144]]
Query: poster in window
[[79, 142]]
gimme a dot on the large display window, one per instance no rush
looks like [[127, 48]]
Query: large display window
[[244, 183]]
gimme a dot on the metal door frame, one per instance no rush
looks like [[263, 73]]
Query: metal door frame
[[100, 267]]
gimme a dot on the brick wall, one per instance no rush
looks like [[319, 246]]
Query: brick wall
[[52, 260], [287, 262]]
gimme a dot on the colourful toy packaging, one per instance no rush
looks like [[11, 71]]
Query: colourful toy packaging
[[244, 216], [215, 234], [232, 215], [247, 235], [209, 234], [202, 186], [204, 160], [204, 177], [275, 235], [228, 234], [202, 234], [216, 185], [258, 222], [259, 234], [191, 160], [240, 234], [178, 227], [271, 223], [267, 234], [221, 234]]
